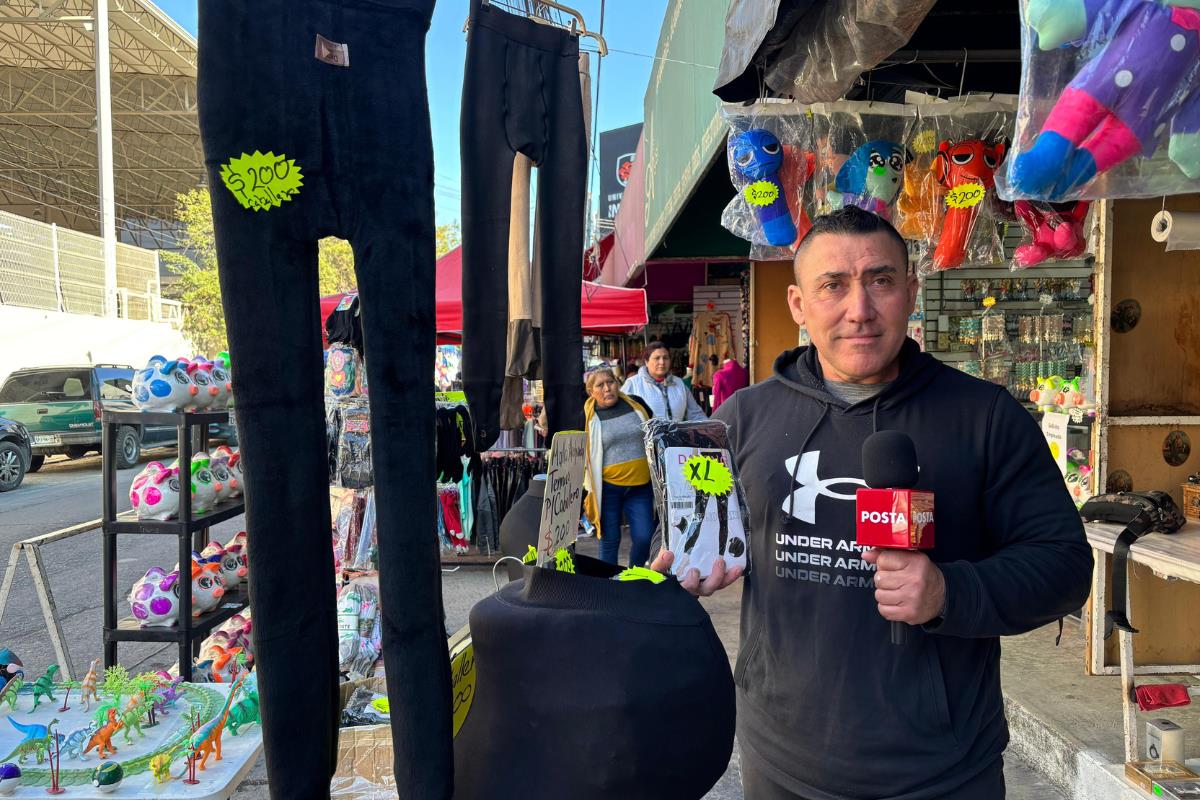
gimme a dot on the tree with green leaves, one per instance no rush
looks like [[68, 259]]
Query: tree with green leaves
[[116, 683], [199, 290], [145, 686]]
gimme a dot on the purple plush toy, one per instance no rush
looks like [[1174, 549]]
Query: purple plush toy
[[1143, 80]]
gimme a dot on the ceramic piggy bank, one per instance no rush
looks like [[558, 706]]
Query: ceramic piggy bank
[[158, 498], [164, 386], [232, 461], [225, 668], [200, 371], [155, 598], [142, 479], [207, 588], [1070, 396], [1046, 393], [239, 542], [204, 489], [229, 560], [222, 479], [222, 376]]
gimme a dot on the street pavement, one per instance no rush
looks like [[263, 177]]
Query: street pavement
[[65, 493]]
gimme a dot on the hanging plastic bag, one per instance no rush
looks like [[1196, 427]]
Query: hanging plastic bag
[[860, 155], [770, 159], [699, 494], [972, 141], [1110, 101], [1052, 231]]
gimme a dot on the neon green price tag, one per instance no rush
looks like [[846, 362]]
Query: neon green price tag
[[641, 574], [262, 181], [382, 705], [966, 195], [708, 475], [761, 193], [563, 561]]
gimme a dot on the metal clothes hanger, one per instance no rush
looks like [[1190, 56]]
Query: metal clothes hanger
[[539, 11]]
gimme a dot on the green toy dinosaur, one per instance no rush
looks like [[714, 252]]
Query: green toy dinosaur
[[38, 748], [131, 719], [9, 693], [44, 686], [244, 712]]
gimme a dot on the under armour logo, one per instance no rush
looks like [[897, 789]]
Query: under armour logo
[[802, 504]]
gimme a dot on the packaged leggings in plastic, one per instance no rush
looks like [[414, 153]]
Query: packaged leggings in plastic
[[1110, 101], [770, 159], [860, 155], [699, 495], [354, 448]]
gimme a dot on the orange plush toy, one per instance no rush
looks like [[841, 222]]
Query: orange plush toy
[[966, 169]]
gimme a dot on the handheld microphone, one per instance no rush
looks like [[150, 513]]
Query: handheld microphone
[[890, 513]]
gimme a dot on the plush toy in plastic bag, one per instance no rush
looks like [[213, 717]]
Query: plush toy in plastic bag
[[770, 164], [860, 155], [919, 206], [1110, 100], [1052, 230], [972, 141]]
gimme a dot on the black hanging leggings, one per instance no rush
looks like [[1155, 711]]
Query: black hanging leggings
[[521, 95], [350, 111]]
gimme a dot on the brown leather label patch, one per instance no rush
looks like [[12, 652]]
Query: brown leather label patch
[[333, 53]]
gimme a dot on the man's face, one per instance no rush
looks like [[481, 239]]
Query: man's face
[[854, 296]]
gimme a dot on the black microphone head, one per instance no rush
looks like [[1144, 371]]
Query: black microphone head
[[889, 461]]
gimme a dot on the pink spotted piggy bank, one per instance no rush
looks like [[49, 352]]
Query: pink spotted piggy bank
[[158, 497], [143, 477], [155, 598], [207, 588]]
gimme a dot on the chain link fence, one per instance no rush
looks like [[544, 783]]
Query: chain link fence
[[49, 267]]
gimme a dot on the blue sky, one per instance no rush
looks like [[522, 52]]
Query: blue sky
[[629, 25]]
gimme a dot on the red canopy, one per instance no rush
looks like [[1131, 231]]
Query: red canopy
[[604, 309]]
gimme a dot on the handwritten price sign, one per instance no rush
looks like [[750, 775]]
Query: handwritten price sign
[[761, 193], [564, 495], [262, 181], [966, 195]]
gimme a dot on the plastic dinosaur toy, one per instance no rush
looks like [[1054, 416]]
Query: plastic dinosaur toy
[[87, 688], [207, 740], [44, 686], [9, 693], [966, 169], [245, 711], [38, 748], [102, 738], [1055, 228], [76, 740], [1140, 81], [167, 694], [131, 719], [30, 733]]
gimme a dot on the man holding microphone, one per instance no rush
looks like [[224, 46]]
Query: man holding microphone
[[828, 707]]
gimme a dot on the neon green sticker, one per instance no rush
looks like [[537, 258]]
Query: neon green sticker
[[262, 181], [761, 193], [382, 705], [708, 475], [530, 556], [563, 561], [641, 574], [966, 195]]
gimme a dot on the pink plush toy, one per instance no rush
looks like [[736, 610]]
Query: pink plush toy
[[1056, 230], [1143, 81]]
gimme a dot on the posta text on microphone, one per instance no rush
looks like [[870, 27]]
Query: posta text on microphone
[[894, 518]]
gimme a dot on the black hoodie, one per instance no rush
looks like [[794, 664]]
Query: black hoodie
[[826, 704]]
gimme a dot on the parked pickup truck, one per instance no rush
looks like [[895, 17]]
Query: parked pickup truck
[[61, 407]]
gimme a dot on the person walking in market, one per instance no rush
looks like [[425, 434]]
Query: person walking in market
[[665, 394], [727, 380], [828, 707], [617, 475]]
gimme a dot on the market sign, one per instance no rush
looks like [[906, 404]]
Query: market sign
[[684, 130], [1054, 426], [618, 150], [564, 495]]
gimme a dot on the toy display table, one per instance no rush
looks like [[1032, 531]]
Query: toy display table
[[217, 780]]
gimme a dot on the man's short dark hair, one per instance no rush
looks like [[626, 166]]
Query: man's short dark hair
[[850, 220]]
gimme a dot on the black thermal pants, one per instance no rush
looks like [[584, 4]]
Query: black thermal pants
[[521, 95], [757, 784], [350, 110]]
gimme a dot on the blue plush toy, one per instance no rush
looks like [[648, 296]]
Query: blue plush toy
[[757, 156], [871, 178]]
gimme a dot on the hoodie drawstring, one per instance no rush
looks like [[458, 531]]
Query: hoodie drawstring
[[875, 415], [800, 455]]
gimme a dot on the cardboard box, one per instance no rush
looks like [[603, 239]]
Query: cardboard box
[[1145, 774], [364, 753]]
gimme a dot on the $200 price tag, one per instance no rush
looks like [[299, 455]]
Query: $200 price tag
[[262, 181], [966, 195]]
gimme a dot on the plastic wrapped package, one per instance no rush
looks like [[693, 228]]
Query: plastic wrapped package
[[1052, 231], [346, 507], [861, 155], [343, 370], [354, 448], [359, 628], [1110, 101], [770, 159], [819, 50], [972, 137], [699, 494]]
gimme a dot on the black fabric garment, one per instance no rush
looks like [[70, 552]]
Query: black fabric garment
[[521, 95], [759, 783], [594, 689], [339, 89], [345, 325], [824, 698], [519, 530]]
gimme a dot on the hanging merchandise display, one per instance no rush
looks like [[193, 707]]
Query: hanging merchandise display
[[1052, 231], [972, 139], [712, 335], [770, 164], [1110, 100], [699, 494], [527, 728], [861, 154], [298, 151], [521, 94]]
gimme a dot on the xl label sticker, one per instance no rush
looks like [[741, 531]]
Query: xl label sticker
[[262, 181]]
